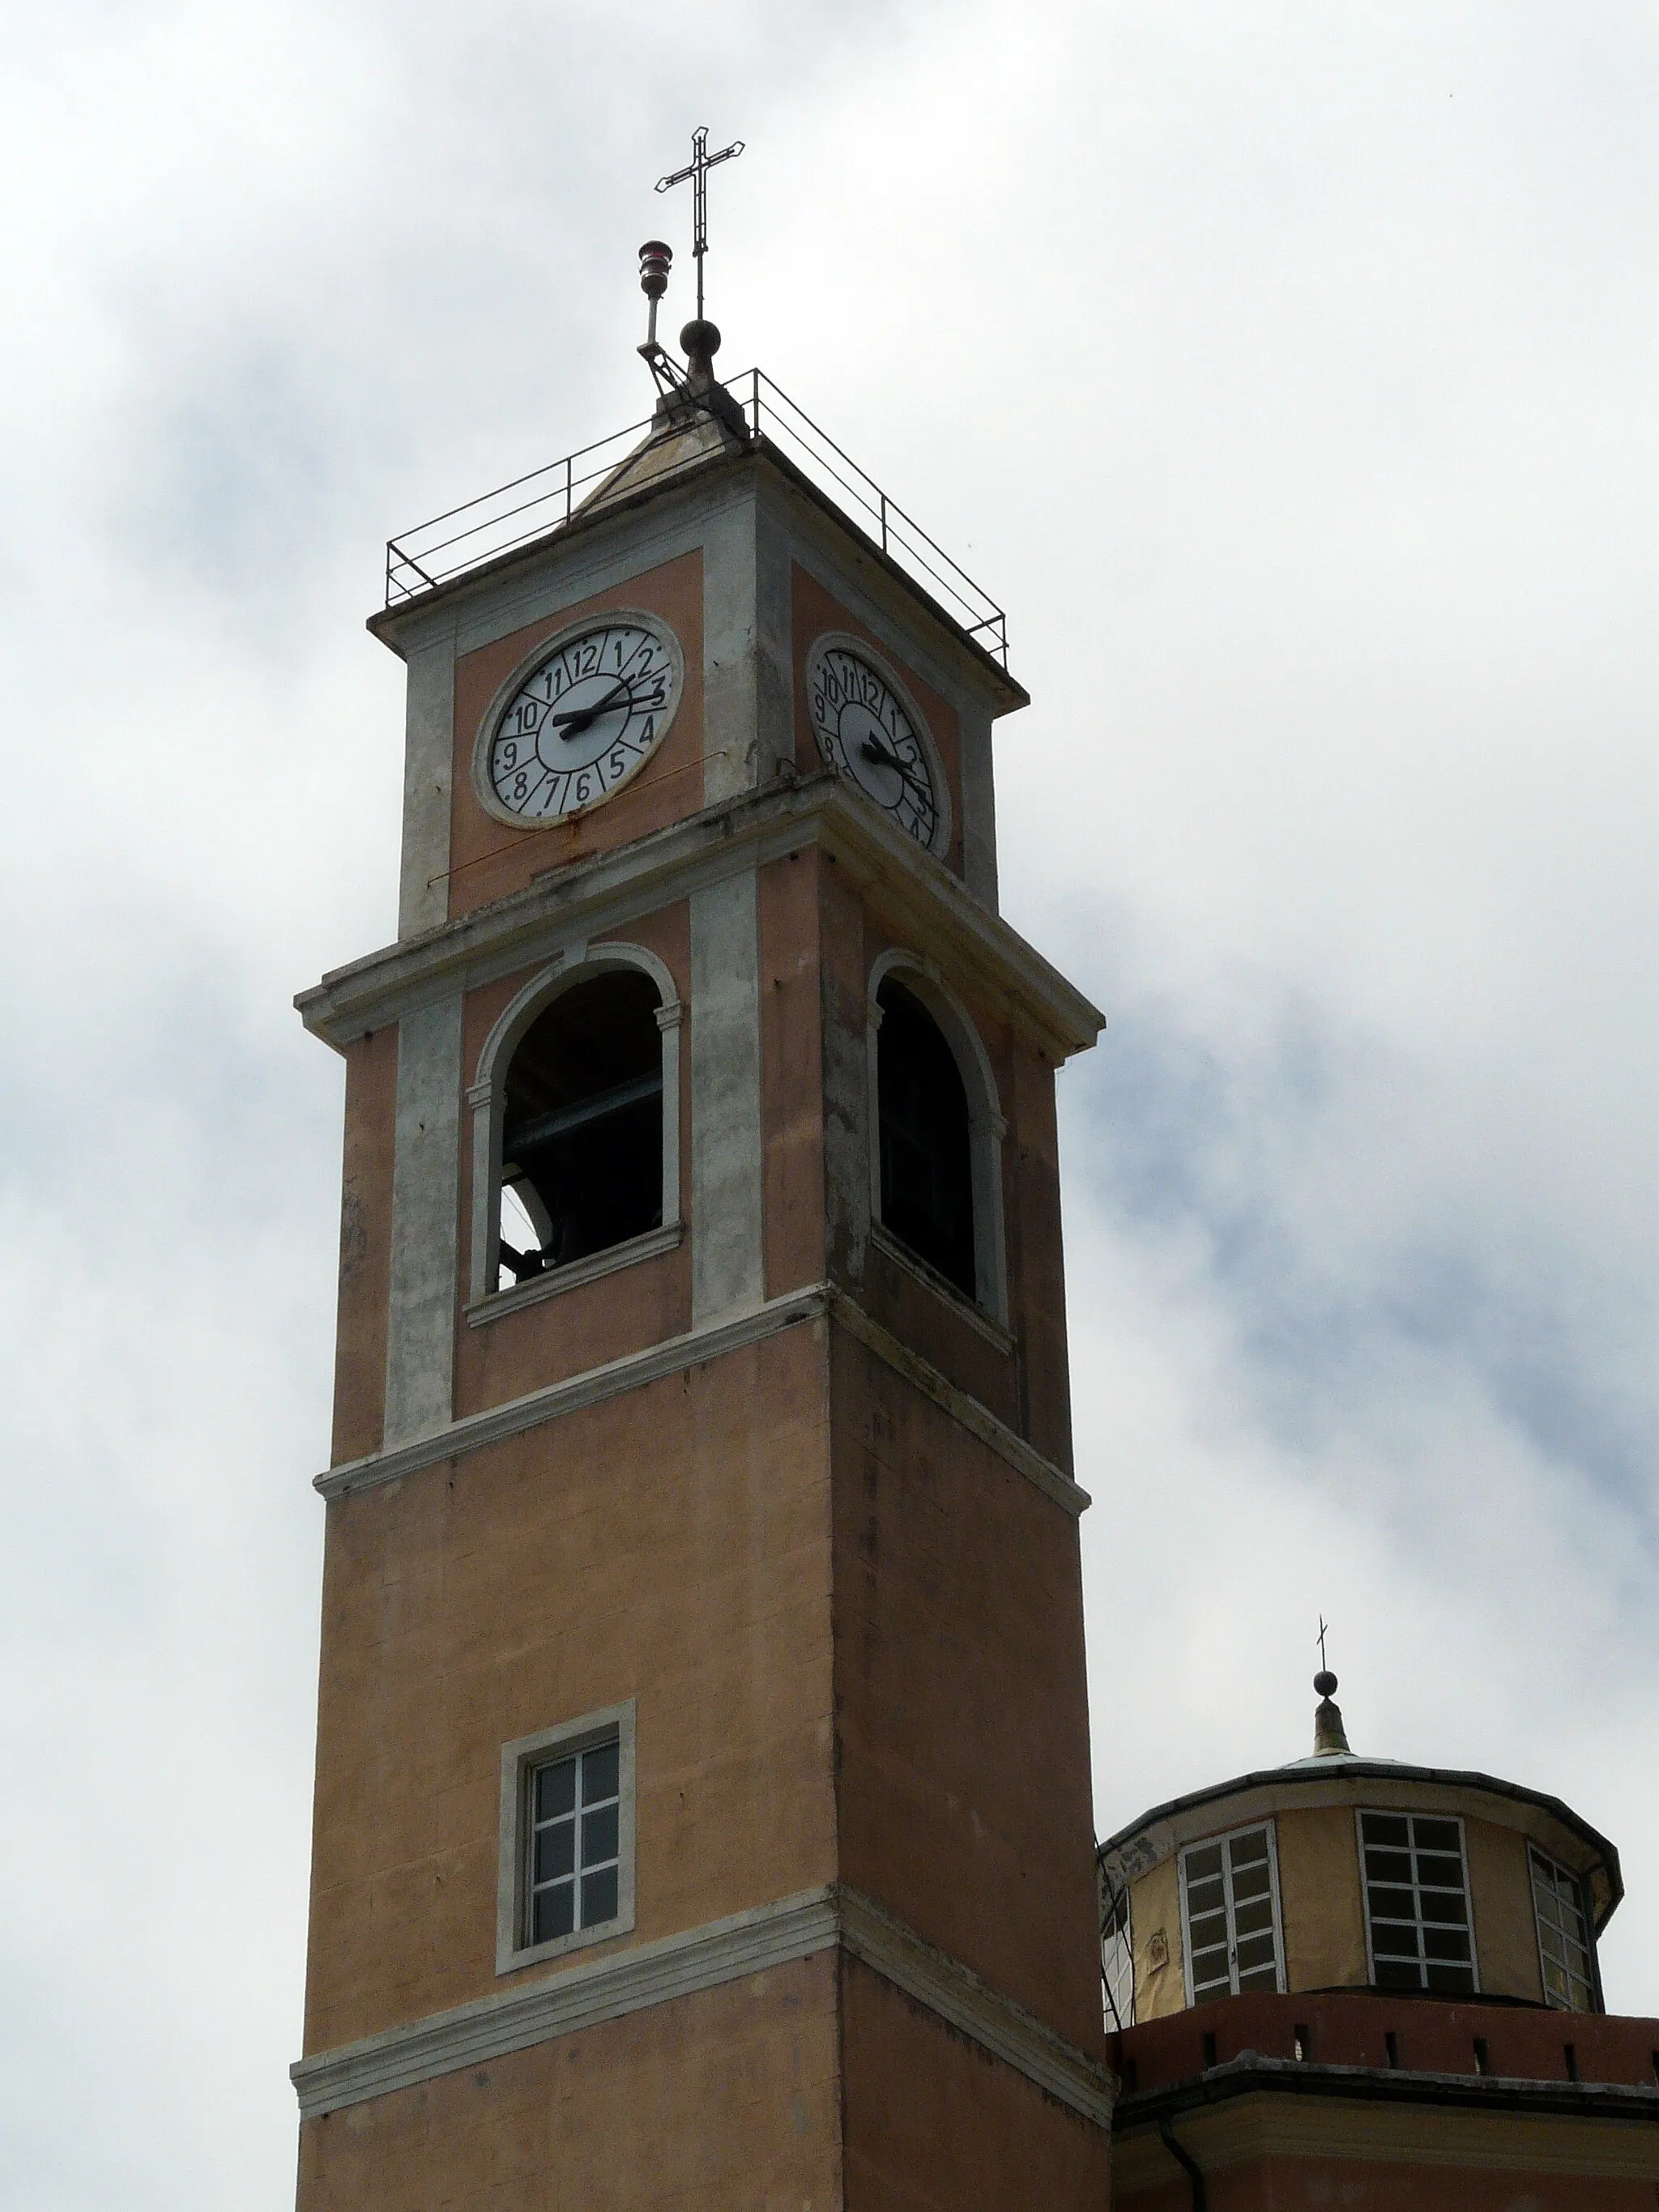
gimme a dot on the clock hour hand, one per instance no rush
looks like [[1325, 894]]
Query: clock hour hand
[[873, 749], [572, 723]]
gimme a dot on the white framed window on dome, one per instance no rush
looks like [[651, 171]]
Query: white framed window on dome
[[1564, 1956], [1418, 1933], [1117, 1958], [1230, 1918]]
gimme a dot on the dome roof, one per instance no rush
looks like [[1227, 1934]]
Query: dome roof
[[1345, 1777]]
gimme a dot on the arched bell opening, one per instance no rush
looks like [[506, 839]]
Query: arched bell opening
[[927, 1138], [582, 1162]]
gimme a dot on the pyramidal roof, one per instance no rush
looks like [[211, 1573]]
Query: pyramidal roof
[[687, 428]]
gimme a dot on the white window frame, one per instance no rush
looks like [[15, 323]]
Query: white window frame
[[1564, 1877], [1414, 1813], [987, 1127], [1209, 1843], [1119, 1976], [520, 1760], [577, 963]]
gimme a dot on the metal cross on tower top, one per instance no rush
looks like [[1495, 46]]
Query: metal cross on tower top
[[697, 169], [1324, 1631]]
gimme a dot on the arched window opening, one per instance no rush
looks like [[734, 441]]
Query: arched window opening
[[926, 1146], [581, 1131]]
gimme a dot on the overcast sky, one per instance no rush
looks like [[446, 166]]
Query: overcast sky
[[1287, 372]]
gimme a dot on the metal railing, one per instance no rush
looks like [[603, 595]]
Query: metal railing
[[533, 506]]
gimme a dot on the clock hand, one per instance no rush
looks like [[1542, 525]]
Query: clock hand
[[572, 724], [873, 749]]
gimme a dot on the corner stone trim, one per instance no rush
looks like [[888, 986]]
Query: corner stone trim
[[653, 1973]]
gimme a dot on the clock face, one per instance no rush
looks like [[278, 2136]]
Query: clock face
[[867, 733], [590, 713]]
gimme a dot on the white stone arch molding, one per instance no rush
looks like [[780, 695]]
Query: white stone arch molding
[[837, 641], [576, 964], [544, 650], [987, 1126]]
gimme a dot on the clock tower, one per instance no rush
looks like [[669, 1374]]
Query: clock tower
[[702, 1803]]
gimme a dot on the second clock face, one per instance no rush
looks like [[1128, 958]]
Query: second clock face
[[864, 730], [587, 717]]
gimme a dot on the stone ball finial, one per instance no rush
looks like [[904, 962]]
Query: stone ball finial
[[1325, 1683], [700, 342]]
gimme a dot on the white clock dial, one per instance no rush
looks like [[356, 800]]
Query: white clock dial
[[872, 737], [588, 716]]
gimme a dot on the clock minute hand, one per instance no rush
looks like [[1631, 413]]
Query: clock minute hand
[[572, 723], [873, 749]]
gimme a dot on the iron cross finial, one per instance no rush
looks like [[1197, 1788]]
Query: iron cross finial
[[1324, 1631], [697, 169]]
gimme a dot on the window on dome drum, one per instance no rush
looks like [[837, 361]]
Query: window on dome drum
[[926, 1147], [1417, 1903], [1117, 1959], [581, 1135], [1564, 1948], [573, 1809], [1230, 1909]]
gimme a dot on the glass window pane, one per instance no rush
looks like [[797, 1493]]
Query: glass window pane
[[599, 1835], [1208, 1928], [1389, 1939], [1207, 1861], [1252, 1881], [1441, 1872], [1209, 1965], [1444, 1904], [1384, 1828], [599, 1897], [1455, 1979], [556, 1788], [1258, 1913], [554, 1913], [1255, 1951], [1392, 1905], [1436, 1835], [1264, 1979], [555, 1850], [1445, 1943], [1248, 1850], [1389, 1866], [1204, 1896], [600, 1769]]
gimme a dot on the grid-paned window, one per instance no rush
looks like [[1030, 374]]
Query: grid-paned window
[[1117, 1959], [1229, 1902], [574, 1818], [1417, 1902], [1563, 1940]]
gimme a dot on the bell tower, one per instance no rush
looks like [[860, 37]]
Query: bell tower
[[702, 1803]]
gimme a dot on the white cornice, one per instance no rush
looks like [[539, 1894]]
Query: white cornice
[[593, 898], [591, 1387], [978, 1420], [999, 2025], [691, 1349], [673, 1967]]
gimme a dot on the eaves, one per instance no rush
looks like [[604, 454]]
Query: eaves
[[938, 917]]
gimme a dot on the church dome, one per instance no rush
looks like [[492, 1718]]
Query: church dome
[[1343, 1870]]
